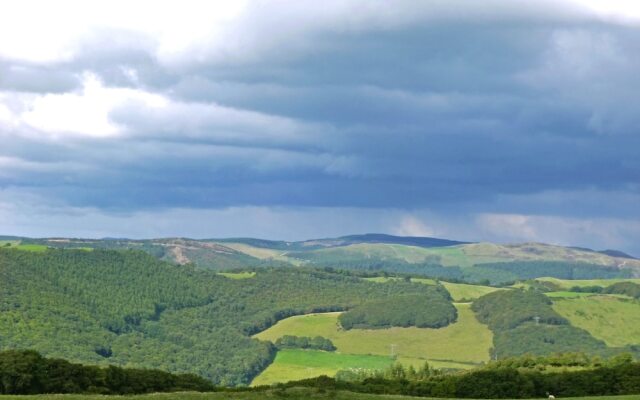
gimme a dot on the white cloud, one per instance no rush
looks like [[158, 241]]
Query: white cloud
[[624, 11], [43, 31], [85, 112], [410, 225], [599, 233], [193, 31]]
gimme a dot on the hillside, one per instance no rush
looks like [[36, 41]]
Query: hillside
[[219, 311], [128, 308], [429, 257]]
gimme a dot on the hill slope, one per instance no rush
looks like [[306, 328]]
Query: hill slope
[[129, 308]]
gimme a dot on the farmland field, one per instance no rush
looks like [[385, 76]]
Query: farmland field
[[614, 320], [31, 247], [461, 291], [237, 275], [260, 252], [294, 364], [382, 279], [459, 345], [568, 284], [567, 295]]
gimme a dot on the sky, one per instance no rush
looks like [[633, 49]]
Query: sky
[[500, 120]]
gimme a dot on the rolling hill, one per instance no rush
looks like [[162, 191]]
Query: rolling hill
[[216, 307], [420, 256]]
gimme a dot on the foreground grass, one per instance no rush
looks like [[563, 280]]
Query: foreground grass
[[463, 344], [294, 364], [614, 320], [292, 394]]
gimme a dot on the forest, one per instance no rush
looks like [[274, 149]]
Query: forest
[[432, 309], [618, 377], [127, 308], [304, 342], [523, 322], [27, 372]]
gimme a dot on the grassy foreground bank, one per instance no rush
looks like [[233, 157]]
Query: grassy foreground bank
[[291, 393]]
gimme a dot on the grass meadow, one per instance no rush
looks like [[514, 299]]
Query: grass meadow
[[295, 364], [237, 275], [463, 344], [612, 319]]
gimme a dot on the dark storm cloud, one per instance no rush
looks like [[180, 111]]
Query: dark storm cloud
[[507, 111]]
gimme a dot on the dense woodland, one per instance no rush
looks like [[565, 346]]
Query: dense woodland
[[432, 309], [487, 273], [519, 270], [27, 372], [127, 308], [523, 322]]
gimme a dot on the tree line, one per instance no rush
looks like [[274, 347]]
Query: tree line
[[27, 372], [493, 382]]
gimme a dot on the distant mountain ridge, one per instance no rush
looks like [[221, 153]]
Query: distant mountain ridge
[[426, 256]]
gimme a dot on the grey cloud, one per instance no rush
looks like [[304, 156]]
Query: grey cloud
[[498, 109]]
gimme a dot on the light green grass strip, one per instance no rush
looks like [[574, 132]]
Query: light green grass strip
[[292, 364], [465, 341], [237, 275], [615, 321]]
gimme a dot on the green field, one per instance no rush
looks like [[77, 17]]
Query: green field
[[464, 292], [260, 252], [292, 394], [567, 295], [463, 344], [568, 284], [614, 320], [382, 279], [39, 248], [237, 275], [382, 251], [295, 364]]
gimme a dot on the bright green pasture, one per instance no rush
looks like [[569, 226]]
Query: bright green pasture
[[237, 275], [38, 248], [614, 320], [465, 341], [294, 364]]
